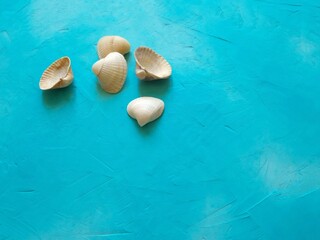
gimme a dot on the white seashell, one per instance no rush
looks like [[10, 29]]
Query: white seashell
[[145, 109], [150, 65], [108, 44], [57, 75], [111, 72]]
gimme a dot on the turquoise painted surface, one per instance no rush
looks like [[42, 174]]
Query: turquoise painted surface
[[235, 156]]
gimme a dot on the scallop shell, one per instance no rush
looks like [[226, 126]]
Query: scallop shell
[[150, 65], [57, 75], [111, 72], [145, 109], [108, 44]]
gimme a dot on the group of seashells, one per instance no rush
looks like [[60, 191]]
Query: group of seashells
[[111, 71]]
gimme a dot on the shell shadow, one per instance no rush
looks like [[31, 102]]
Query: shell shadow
[[156, 88], [127, 56], [100, 91], [147, 129], [57, 97]]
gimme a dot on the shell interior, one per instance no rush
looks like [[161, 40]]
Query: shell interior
[[154, 64], [55, 75]]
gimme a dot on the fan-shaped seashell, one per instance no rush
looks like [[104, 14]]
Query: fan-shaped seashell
[[111, 72], [57, 75], [108, 44], [145, 109], [150, 65]]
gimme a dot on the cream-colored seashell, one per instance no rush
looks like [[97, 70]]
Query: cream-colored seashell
[[150, 65], [111, 72], [108, 44], [57, 75], [145, 109]]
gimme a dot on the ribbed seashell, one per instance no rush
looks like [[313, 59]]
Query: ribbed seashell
[[57, 75], [108, 44], [145, 109], [111, 72], [150, 65]]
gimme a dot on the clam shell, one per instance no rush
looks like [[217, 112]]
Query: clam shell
[[145, 109], [108, 44], [150, 65], [111, 72], [57, 75]]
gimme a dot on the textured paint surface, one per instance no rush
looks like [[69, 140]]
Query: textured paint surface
[[235, 155]]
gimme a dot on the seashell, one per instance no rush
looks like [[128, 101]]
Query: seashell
[[145, 109], [108, 44], [150, 65], [57, 75], [111, 72]]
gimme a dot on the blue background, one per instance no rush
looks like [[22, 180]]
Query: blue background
[[234, 156]]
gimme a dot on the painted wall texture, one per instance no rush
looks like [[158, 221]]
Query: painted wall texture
[[235, 155]]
